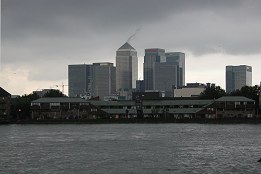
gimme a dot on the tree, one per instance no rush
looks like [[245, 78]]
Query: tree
[[212, 92], [251, 92], [54, 93], [20, 106]]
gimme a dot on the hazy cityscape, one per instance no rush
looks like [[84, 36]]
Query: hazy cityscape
[[138, 86]]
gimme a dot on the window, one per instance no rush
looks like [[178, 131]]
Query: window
[[93, 110], [54, 104]]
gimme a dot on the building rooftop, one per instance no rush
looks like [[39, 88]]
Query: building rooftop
[[234, 98], [59, 100], [4, 93], [126, 46]]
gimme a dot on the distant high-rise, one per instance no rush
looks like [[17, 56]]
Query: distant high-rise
[[237, 77], [80, 80], [104, 79], [179, 59], [126, 69], [165, 76], [152, 56]]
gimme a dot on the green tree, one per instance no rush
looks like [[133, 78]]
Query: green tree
[[20, 106], [212, 92], [54, 93], [251, 92]]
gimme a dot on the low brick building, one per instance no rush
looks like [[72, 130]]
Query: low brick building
[[64, 108], [77, 108]]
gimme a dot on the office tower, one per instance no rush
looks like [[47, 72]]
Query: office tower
[[126, 69], [151, 56], [80, 80], [179, 58], [104, 79], [237, 77], [165, 76]]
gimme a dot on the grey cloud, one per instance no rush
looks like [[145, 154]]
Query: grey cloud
[[58, 29]]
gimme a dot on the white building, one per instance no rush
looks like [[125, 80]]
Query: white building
[[191, 90]]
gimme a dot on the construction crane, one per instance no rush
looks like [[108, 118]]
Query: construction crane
[[62, 85]]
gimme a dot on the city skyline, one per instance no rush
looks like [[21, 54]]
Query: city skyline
[[41, 38]]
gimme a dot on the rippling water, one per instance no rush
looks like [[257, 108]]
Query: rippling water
[[130, 148]]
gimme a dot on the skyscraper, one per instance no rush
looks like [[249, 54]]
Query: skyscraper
[[179, 59], [80, 80], [152, 56], [98, 79], [237, 77], [165, 76], [126, 69], [104, 79]]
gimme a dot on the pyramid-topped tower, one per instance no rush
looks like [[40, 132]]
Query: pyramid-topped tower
[[126, 69], [126, 46]]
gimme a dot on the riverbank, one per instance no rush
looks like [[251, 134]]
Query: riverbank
[[142, 121]]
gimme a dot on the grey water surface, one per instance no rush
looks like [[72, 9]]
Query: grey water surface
[[130, 148]]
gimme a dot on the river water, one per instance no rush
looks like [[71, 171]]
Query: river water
[[130, 148]]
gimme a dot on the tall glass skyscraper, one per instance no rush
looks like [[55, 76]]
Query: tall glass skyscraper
[[126, 69], [237, 77], [152, 56], [165, 77], [104, 79], [179, 59], [80, 80], [93, 80]]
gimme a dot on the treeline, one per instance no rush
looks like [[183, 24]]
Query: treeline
[[20, 106], [215, 92]]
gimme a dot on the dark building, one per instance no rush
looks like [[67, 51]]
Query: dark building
[[104, 79], [152, 56], [5, 104], [80, 80], [77, 108], [64, 108], [165, 77], [179, 59], [88, 81], [140, 86]]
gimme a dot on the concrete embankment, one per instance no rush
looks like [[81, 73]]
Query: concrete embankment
[[145, 120]]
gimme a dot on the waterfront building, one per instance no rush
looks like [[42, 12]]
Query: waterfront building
[[5, 104], [80, 80], [126, 69], [152, 56], [103, 79], [179, 59], [77, 108], [238, 77]]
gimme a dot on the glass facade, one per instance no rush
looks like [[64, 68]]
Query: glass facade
[[237, 77], [80, 80], [104, 79], [165, 76], [178, 58], [126, 69], [152, 56]]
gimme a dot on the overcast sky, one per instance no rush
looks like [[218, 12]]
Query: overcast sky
[[41, 37]]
